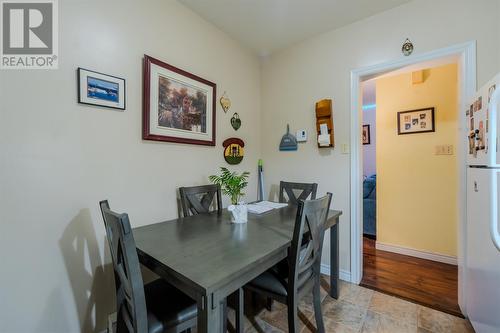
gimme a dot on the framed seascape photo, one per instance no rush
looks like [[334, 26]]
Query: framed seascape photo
[[366, 134], [100, 89], [416, 121], [178, 106]]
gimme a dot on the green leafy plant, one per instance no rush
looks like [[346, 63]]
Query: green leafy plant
[[231, 183]]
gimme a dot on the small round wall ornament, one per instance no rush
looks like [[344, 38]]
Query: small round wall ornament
[[407, 47], [233, 150], [236, 121], [225, 102]]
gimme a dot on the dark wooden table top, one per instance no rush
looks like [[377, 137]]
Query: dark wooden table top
[[209, 250]]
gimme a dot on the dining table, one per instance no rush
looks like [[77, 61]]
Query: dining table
[[208, 257]]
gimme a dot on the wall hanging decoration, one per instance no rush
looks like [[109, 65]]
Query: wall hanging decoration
[[236, 121], [288, 141], [225, 102], [324, 123], [416, 121], [407, 47], [178, 106], [233, 150], [100, 89], [366, 135]]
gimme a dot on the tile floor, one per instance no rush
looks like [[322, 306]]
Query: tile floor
[[358, 310]]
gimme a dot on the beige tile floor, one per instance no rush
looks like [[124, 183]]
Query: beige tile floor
[[357, 310]]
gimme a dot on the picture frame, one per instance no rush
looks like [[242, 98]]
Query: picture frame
[[178, 106], [366, 135], [101, 89], [416, 121]]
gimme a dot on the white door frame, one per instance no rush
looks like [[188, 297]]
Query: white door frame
[[467, 79]]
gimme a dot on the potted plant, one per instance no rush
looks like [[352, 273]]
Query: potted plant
[[232, 185]]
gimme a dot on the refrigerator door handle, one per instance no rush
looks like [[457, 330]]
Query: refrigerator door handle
[[495, 234]]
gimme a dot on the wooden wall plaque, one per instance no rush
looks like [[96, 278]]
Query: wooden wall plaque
[[324, 115]]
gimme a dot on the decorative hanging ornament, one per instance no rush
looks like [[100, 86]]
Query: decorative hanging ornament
[[233, 150], [225, 102], [407, 48], [236, 121]]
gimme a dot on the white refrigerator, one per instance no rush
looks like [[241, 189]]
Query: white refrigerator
[[483, 231]]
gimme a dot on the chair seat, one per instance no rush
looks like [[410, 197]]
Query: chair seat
[[270, 282], [167, 306]]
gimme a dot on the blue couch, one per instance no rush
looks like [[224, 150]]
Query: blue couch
[[370, 206]]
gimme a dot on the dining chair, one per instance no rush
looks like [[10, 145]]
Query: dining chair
[[156, 307], [289, 188], [198, 199], [304, 261]]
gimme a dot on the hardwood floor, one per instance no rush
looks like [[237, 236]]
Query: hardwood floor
[[422, 281]]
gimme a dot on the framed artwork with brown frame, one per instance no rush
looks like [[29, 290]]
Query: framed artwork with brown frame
[[416, 121], [177, 106], [366, 135]]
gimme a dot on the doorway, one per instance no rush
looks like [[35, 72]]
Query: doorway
[[467, 84]]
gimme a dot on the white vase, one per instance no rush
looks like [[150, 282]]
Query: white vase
[[239, 212]]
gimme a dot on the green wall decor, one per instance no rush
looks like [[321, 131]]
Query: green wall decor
[[236, 121]]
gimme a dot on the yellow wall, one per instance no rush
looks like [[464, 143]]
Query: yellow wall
[[416, 189]]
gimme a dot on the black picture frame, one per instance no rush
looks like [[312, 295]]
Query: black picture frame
[[366, 138], [421, 116], [82, 83]]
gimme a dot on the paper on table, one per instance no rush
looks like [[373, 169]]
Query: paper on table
[[264, 206], [258, 209], [271, 204]]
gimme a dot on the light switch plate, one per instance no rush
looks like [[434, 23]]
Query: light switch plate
[[344, 148]]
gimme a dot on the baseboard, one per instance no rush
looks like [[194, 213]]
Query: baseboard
[[416, 253], [343, 275]]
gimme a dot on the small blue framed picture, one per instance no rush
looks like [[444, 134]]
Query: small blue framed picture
[[100, 89]]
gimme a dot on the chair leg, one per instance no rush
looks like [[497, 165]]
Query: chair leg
[[224, 315], [293, 324], [317, 307], [269, 304], [254, 300]]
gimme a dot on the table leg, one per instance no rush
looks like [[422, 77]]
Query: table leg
[[210, 316], [334, 260], [240, 317]]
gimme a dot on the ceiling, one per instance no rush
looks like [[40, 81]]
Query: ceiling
[[266, 26]]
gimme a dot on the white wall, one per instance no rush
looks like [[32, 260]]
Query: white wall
[[295, 78], [58, 158], [369, 158]]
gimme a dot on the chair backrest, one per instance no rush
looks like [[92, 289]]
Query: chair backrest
[[307, 244], [198, 199], [308, 189], [130, 300]]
